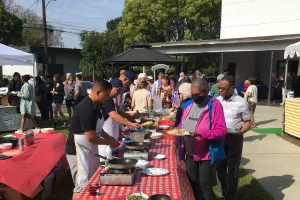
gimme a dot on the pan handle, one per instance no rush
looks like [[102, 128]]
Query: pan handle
[[103, 157]]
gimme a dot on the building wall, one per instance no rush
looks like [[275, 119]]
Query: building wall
[[252, 18], [71, 62], [244, 64], [252, 64]]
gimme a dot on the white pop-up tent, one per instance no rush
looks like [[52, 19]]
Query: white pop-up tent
[[11, 56], [290, 51]]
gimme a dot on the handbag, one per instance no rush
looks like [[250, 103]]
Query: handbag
[[215, 147]]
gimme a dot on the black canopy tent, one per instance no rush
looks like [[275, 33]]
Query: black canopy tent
[[141, 54]]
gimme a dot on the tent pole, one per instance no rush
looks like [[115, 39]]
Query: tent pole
[[144, 70], [182, 63], [221, 63], [284, 96], [270, 79]]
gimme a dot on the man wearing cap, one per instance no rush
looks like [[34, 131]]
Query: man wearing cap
[[150, 82], [142, 77], [112, 117], [215, 88], [127, 78]]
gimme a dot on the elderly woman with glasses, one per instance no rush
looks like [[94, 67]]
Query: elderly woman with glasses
[[204, 120]]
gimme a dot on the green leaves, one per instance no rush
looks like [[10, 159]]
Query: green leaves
[[170, 20], [10, 27], [98, 47]]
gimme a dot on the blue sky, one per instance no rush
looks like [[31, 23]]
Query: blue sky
[[75, 15]]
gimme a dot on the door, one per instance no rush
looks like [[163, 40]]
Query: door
[[232, 69]]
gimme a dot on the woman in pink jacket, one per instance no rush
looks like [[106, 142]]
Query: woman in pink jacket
[[203, 129]]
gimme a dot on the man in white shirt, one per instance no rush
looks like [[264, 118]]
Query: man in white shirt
[[238, 122], [251, 97], [157, 84]]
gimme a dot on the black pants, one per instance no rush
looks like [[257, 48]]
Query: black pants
[[50, 108], [273, 93], [200, 176], [228, 182]]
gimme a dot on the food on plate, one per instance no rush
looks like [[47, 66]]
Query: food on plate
[[148, 123], [135, 197], [155, 171], [176, 131]]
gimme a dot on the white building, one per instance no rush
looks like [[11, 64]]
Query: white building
[[254, 34]]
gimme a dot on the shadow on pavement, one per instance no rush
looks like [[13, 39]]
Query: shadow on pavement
[[266, 122], [254, 137], [244, 161], [274, 184]]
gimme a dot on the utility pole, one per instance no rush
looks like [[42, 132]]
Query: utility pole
[[45, 38]]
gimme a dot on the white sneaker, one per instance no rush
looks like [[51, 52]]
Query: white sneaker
[[19, 132]]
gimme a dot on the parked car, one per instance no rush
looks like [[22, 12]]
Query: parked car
[[89, 85]]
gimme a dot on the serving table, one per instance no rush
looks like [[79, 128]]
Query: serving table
[[25, 171], [175, 184]]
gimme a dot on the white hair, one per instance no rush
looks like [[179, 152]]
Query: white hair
[[185, 90]]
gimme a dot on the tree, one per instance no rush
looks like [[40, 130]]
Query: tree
[[33, 33], [170, 20], [10, 27], [98, 47]]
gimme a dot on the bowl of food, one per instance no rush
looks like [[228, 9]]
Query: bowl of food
[[47, 130], [160, 197], [137, 196], [5, 146], [142, 164]]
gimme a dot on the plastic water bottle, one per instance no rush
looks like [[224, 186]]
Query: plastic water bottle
[[108, 155]]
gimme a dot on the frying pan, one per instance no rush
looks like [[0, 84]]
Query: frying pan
[[136, 145], [120, 163]]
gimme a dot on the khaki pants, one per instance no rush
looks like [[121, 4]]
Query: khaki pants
[[252, 107]]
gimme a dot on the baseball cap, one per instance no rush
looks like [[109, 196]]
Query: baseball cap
[[149, 78], [220, 77], [122, 71], [130, 76], [116, 82], [142, 75]]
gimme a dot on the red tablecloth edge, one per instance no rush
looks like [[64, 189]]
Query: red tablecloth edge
[[32, 184]]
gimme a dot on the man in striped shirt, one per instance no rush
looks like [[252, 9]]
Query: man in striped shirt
[[238, 122]]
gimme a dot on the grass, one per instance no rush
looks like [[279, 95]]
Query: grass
[[47, 124], [249, 188], [267, 130]]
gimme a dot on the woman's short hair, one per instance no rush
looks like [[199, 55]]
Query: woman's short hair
[[26, 78], [143, 85], [252, 81], [185, 90], [17, 74], [57, 78], [200, 83], [165, 77]]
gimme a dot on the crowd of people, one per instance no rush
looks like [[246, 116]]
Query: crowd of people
[[25, 92], [217, 114]]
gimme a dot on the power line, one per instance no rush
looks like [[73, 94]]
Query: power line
[[36, 5], [32, 5], [76, 26]]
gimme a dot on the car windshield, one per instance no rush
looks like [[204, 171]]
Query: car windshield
[[88, 84]]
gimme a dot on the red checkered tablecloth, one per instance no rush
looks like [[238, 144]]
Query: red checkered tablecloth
[[175, 184]]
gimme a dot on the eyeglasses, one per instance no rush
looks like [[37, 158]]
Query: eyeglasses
[[223, 89]]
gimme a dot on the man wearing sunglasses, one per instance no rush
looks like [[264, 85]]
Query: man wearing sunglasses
[[238, 122]]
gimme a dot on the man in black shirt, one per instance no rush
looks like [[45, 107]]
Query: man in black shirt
[[83, 133]]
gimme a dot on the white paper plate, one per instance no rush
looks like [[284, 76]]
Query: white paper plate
[[155, 171], [142, 164], [160, 157], [156, 135], [5, 146]]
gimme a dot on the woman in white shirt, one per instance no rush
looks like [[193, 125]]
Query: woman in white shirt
[[251, 97], [142, 100]]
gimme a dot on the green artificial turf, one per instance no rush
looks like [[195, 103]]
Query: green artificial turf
[[267, 130]]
